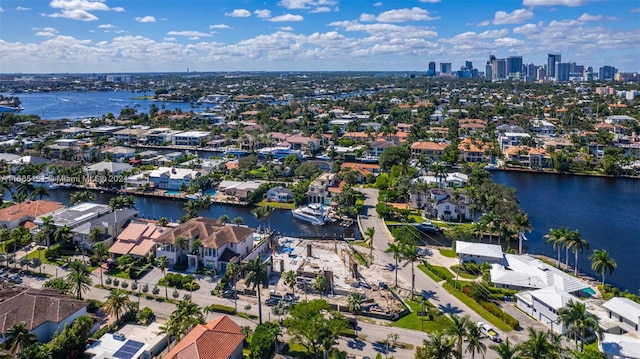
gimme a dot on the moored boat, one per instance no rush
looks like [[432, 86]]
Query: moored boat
[[313, 213]]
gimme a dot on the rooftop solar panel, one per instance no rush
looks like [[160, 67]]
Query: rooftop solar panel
[[128, 350]]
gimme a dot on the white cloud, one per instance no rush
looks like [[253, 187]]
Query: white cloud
[[589, 17], [635, 9], [570, 3], [526, 29], [483, 23], [285, 28], [515, 17], [367, 17], [1, 9], [312, 5], [145, 19], [404, 15], [77, 14], [106, 26], [219, 26], [238, 13], [287, 17], [431, 1], [190, 34], [379, 3], [78, 5], [46, 31], [320, 9], [170, 39], [263, 14], [22, 8], [118, 9]]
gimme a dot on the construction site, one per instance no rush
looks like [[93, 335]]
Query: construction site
[[335, 261]]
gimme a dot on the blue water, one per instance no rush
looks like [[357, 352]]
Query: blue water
[[172, 192], [80, 105], [604, 210], [211, 192]]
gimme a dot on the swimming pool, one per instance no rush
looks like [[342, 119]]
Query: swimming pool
[[589, 291], [171, 192], [211, 192]]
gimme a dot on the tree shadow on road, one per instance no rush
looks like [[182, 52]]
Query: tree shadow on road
[[448, 309]]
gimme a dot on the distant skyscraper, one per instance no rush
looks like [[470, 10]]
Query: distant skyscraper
[[488, 71], [541, 73], [514, 65], [607, 73], [499, 69], [445, 68], [432, 69], [552, 59], [468, 65], [562, 72]]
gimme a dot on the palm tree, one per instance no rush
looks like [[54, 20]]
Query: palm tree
[[368, 235], [79, 277], [459, 331], [578, 245], [521, 223], [319, 284], [163, 221], [395, 248], [602, 263], [258, 278], [39, 192], [117, 302], [100, 252], [223, 218], [537, 346], [163, 264], [437, 346], [412, 254], [181, 243], [575, 316], [18, 338], [237, 221], [232, 271], [47, 221], [61, 234], [84, 196], [474, 344], [354, 304], [291, 279], [96, 234], [262, 212], [505, 350], [556, 237]]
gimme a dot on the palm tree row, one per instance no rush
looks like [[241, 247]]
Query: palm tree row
[[405, 247], [567, 239]]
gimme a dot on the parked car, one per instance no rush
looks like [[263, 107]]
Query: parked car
[[229, 294], [489, 331], [15, 279], [271, 302]]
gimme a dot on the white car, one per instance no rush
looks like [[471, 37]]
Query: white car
[[489, 331]]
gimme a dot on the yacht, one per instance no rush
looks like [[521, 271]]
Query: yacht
[[313, 213], [279, 152], [235, 151]]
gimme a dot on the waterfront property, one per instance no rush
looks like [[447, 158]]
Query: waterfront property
[[221, 244], [221, 338], [442, 203], [18, 214], [479, 252], [544, 304], [76, 215], [323, 188], [172, 178], [279, 194], [110, 225], [137, 240], [131, 342], [113, 168]]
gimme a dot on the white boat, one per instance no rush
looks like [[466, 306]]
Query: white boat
[[235, 151], [194, 196], [279, 152], [313, 213], [369, 159], [52, 185]]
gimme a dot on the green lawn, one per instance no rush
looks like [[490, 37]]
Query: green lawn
[[477, 308], [440, 321], [276, 205], [361, 243], [463, 274], [429, 273], [449, 253], [39, 253], [296, 350]]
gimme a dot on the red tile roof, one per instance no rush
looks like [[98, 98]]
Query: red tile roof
[[31, 209], [217, 339]]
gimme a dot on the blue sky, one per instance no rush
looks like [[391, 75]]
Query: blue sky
[[305, 35]]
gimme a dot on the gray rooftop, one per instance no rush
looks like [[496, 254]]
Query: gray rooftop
[[76, 215]]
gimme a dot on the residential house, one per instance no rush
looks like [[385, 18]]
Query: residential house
[[221, 338], [362, 169], [118, 153], [76, 215], [319, 189], [479, 252], [341, 123], [279, 194], [544, 304], [13, 216], [130, 342], [190, 138], [171, 178], [129, 136], [615, 119], [443, 203], [432, 150], [374, 126], [525, 272], [451, 180], [474, 151], [45, 311], [221, 244], [238, 189], [113, 168], [626, 312], [542, 127], [158, 136], [377, 147], [356, 136], [304, 143], [137, 240], [110, 224], [532, 157], [512, 139]]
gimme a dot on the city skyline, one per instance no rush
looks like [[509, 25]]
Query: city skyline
[[310, 35]]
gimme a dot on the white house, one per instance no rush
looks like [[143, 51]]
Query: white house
[[452, 180], [442, 203], [544, 304], [319, 189], [479, 252], [512, 139], [279, 194], [543, 127], [158, 135], [191, 138], [172, 178], [114, 168], [626, 312], [376, 147], [221, 244]]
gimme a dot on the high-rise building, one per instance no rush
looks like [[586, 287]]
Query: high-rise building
[[445, 68], [607, 73], [488, 71], [514, 65], [562, 72], [468, 65], [499, 69], [432, 69], [552, 59], [541, 74]]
